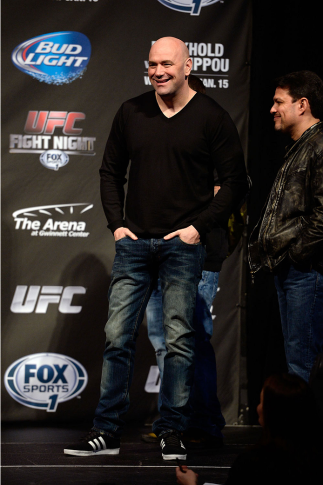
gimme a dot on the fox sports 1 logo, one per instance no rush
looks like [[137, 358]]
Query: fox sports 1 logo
[[42, 381], [192, 7], [56, 58]]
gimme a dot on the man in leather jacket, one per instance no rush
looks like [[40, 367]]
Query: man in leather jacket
[[288, 239]]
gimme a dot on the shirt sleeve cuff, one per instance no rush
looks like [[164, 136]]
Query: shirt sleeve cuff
[[113, 226]]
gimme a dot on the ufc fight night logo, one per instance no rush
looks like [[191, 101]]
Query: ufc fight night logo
[[41, 137]]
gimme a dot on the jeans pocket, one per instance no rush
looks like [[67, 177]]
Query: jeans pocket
[[122, 239], [189, 244]]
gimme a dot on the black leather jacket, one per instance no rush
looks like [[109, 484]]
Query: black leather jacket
[[292, 222]]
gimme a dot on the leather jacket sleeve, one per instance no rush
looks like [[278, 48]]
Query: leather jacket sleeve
[[309, 242]]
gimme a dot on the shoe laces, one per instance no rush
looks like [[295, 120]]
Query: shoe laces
[[171, 439], [91, 436]]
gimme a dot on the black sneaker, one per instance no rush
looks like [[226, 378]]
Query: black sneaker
[[172, 446], [95, 443]]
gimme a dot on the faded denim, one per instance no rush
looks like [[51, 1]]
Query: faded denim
[[136, 268]]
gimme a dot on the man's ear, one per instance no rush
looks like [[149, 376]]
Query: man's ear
[[188, 66], [303, 105]]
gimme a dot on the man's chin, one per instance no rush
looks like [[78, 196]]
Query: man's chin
[[163, 93], [278, 127]]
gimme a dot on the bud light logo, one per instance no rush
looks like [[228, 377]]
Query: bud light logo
[[57, 58], [41, 381], [54, 159], [192, 7]]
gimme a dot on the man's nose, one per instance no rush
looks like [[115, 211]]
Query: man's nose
[[159, 70], [272, 109]]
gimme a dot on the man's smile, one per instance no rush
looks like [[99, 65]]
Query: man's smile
[[161, 81]]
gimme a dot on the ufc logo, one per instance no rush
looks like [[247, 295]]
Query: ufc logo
[[46, 122], [26, 300]]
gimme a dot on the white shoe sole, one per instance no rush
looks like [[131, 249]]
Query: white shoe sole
[[112, 451], [174, 457]]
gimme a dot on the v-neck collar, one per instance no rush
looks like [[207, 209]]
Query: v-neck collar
[[178, 112]]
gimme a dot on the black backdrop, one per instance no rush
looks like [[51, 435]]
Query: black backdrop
[[287, 37]]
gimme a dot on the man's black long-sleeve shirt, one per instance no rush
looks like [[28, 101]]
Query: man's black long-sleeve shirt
[[172, 162]]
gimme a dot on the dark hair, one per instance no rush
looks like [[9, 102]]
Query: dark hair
[[195, 83], [289, 411], [304, 84]]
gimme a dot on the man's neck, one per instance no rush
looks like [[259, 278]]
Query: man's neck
[[170, 105], [298, 130]]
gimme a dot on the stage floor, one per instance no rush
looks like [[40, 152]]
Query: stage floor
[[32, 454]]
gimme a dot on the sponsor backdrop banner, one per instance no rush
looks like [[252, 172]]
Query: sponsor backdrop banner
[[67, 67]]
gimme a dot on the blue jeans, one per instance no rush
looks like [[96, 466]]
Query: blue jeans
[[155, 327], [205, 407], [300, 297], [136, 267]]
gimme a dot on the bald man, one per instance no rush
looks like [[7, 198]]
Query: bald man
[[175, 138]]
